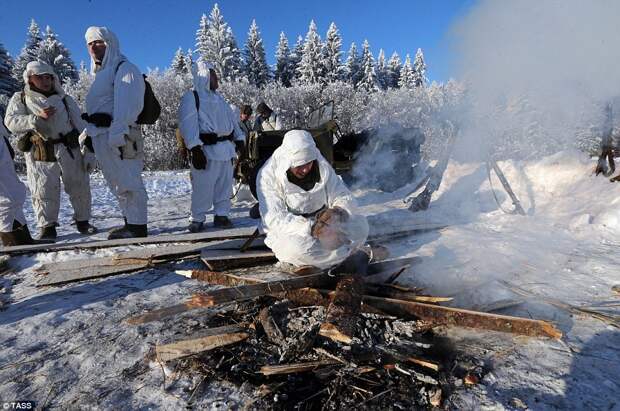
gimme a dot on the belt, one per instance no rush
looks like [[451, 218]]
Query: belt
[[98, 119], [210, 139]]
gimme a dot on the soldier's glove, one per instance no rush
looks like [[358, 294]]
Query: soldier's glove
[[327, 228], [332, 215], [199, 161]]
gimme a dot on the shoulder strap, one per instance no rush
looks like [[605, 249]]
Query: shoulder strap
[[64, 101], [197, 99]]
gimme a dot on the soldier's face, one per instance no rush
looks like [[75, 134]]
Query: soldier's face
[[96, 49], [243, 116], [43, 82], [302, 170]]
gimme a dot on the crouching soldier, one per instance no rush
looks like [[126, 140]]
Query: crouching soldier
[[47, 123], [113, 104], [211, 134], [308, 214], [13, 228]]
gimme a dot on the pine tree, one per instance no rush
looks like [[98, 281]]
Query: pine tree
[[381, 70], [189, 60], [202, 37], [234, 66], [219, 45], [352, 66], [256, 68], [283, 72], [419, 70], [311, 65], [54, 53], [393, 71], [407, 76], [178, 63], [28, 53], [8, 85], [368, 79], [296, 55], [331, 54]]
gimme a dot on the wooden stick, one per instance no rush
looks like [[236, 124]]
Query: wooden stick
[[294, 368], [402, 293], [464, 318], [343, 310], [216, 337]]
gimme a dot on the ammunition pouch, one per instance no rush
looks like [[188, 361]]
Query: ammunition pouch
[[98, 119], [209, 139], [24, 144], [71, 139], [42, 149]]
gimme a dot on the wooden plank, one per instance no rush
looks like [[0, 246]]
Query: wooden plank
[[295, 368], [464, 318], [226, 295], [212, 338], [343, 310], [90, 268], [218, 260], [402, 293], [240, 232]]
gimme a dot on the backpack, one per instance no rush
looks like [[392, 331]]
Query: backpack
[[151, 109]]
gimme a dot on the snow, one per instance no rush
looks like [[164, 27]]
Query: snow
[[67, 346]]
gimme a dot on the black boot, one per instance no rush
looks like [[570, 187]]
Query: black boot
[[48, 233], [128, 231], [19, 236], [220, 221], [84, 227], [255, 212]]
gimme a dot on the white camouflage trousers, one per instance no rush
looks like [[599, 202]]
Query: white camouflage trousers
[[44, 183], [211, 187]]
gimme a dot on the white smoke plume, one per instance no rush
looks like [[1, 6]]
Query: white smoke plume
[[537, 72]]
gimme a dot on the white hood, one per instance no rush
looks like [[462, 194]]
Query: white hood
[[298, 148], [112, 51], [38, 68], [201, 76]]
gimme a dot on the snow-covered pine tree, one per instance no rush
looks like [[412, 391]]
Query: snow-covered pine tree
[[381, 70], [352, 66], [283, 72], [332, 51], [296, 55], [419, 70], [393, 71], [368, 79], [189, 60], [79, 89], [178, 63], [8, 85], [54, 53], [218, 47], [256, 68], [407, 76], [234, 65], [28, 53], [311, 65], [202, 37]]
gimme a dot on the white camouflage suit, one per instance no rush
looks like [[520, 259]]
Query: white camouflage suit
[[118, 90], [282, 204], [12, 190], [22, 117], [211, 187]]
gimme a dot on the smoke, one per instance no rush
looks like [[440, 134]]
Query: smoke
[[537, 73]]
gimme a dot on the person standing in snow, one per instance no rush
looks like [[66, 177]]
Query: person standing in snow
[[48, 124], [13, 228], [211, 132], [244, 120], [266, 120], [308, 214], [113, 103]]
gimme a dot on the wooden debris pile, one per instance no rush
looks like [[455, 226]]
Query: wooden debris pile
[[279, 356]]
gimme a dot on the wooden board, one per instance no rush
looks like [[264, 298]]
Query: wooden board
[[218, 260], [89, 268], [210, 339], [240, 232]]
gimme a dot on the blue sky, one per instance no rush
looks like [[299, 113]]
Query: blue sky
[[150, 31]]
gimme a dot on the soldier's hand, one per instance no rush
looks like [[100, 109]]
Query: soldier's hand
[[331, 237], [199, 161], [48, 112]]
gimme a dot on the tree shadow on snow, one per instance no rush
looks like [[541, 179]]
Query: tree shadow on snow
[[66, 300]]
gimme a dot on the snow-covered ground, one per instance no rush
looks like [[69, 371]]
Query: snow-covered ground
[[67, 346]]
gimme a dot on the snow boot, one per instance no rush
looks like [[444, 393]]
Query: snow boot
[[195, 226], [220, 221], [255, 212], [19, 236], [128, 231], [84, 227], [48, 233]]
